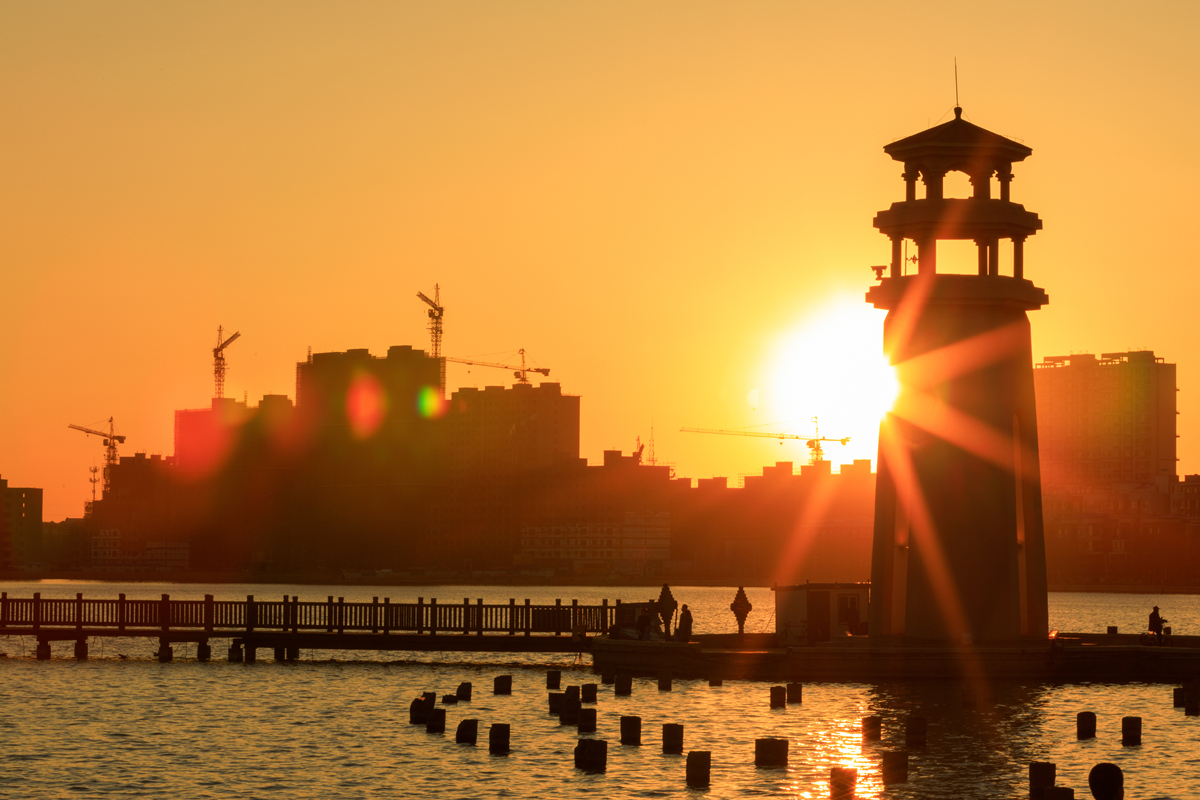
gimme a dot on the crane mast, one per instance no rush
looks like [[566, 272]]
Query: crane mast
[[111, 440], [219, 359], [435, 312]]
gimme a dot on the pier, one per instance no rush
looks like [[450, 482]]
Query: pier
[[289, 624]]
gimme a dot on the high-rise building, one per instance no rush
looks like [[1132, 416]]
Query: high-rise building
[[20, 526], [498, 430], [1107, 420]]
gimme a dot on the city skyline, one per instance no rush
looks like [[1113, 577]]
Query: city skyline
[[657, 204]]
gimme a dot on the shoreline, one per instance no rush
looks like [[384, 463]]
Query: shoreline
[[483, 579]]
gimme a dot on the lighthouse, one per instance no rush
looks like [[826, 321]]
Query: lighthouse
[[958, 555]]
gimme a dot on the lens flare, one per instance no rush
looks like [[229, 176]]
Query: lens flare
[[430, 404], [366, 405], [833, 368]]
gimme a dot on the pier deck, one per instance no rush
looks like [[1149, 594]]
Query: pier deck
[[288, 625]]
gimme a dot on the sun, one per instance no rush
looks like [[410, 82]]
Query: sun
[[832, 367]]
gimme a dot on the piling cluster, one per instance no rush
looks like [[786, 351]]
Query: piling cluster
[[575, 706]]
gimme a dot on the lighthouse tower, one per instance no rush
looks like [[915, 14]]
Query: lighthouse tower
[[958, 554]]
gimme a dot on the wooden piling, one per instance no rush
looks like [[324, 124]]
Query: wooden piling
[[672, 738], [449, 699], [587, 693], [572, 692], [1131, 731], [842, 783], [81, 649], [1042, 775], [1177, 697], [553, 679], [699, 768], [778, 697], [591, 755], [418, 711], [555, 702], [623, 686], [568, 714], [499, 738], [502, 684], [916, 731], [203, 651], [664, 682], [436, 721], [771, 752], [468, 731], [1058, 793], [872, 728], [587, 720], [166, 653], [1085, 725], [895, 767], [631, 731], [464, 691], [235, 652], [608, 678], [795, 693], [43, 650], [1106, 781], [1191, 698]]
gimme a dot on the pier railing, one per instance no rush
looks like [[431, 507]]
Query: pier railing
[[124, 615]]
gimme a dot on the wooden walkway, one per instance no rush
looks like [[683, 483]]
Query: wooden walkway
[[287, 625]]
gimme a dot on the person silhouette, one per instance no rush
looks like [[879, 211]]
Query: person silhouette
[[1156, 626], [1107, 782], [683, 630]]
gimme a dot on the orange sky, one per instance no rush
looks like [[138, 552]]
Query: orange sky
[[650, 198]]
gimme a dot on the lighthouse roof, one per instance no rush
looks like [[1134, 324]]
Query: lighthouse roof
[[957, 139]]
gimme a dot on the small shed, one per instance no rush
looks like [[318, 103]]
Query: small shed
[[810, 613]]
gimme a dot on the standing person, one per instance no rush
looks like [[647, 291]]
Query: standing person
[[643, 625], [683, 631], [1156, 625]]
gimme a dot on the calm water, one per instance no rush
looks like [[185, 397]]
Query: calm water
[[336, 724]]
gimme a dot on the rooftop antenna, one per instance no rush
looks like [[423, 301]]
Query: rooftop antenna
[[957, 106]]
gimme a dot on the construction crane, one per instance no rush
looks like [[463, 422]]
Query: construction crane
[[111, 440], [219, 358], [435, 331], [521, 373], [813, 442]]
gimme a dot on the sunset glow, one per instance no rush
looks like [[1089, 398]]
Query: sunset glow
[[832, 367]]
